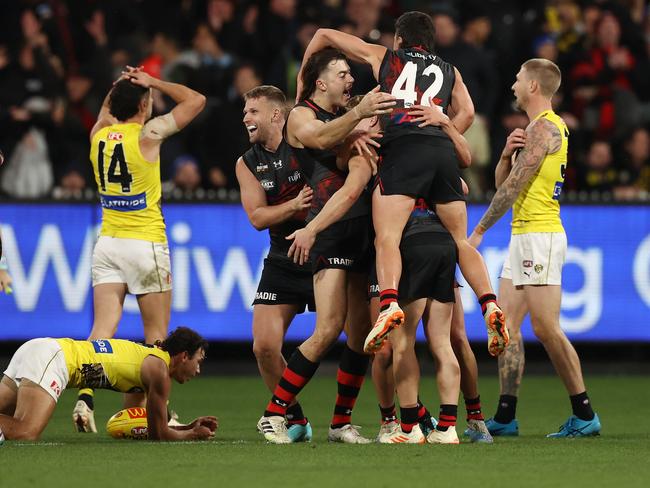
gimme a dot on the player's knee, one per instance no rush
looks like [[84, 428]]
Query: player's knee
[[27, 433], [546, 332], [265, 350]]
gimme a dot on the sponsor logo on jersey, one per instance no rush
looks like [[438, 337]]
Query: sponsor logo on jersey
[[126, 203], [115, 136], [527, 263], [267, 184], [277, 164], [415, 54], [294, 177], [341, 261], [261, 168], [266, 295], [102, 347], [557, 191], [374, 288]]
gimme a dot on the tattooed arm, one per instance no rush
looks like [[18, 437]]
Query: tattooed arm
[[542, 138]]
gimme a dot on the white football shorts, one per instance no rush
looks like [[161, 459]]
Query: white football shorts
[[41, 361], [144, 266], [535, 258]]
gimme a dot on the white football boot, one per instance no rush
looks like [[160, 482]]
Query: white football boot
[[400, 437], [274, 429], [388, 320], [83, 418], [388, 428], [348, 434], [448, 436]]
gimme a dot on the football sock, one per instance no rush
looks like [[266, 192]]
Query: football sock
[[582, 406], [86, 395], [424, 416], [448, 414], [388, 414], [485, 299], [473, 407], [386, 297], [298, 372], [349, 378], [295, 414], [409, 418], [506, 409]]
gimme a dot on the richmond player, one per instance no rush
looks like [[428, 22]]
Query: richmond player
[[131, 254], [275, 197], [41, 369], [532, 273]]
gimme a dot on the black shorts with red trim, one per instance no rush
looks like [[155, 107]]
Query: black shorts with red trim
[[347, 244], [420, 166], [283, 282]]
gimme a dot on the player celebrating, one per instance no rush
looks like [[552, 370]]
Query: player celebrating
[[131, 254], [41, 369], [417, 161], [274, 196], [532, 272], [341, 251]]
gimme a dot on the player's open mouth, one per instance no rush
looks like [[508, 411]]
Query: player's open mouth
[[251, 128]]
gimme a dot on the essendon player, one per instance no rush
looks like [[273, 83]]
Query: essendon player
[[415, 166], [341, 253], [275, 197]]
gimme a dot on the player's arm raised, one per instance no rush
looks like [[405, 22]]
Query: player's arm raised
[[515, 141], [543, 137], [305, 129], [461, 104], [155, 377], [360, 172], [253, 199], [353, 47], [104, 118]]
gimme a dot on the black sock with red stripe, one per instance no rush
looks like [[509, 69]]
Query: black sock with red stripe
[[485, 299], [298, 372], [350, 376], [295, 415], [424, 416], [448, 415], [388, 414], [473, 407], [409, 418], [386, 297]]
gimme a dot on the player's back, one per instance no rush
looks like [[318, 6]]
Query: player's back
[[414, 77], [113, 364], [537, 208], [129, 185]]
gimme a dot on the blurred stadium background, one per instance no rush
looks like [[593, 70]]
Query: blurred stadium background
[[57, 61]]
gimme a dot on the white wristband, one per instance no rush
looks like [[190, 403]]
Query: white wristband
[[3, 263]]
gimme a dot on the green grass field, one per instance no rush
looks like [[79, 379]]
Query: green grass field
[[239, 457]]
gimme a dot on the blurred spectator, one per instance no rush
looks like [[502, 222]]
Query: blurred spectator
[[187, 174], [215, 66], [634, 175], [598, 172]]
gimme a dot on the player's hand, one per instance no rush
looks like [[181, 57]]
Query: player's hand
[[303, 241], [375, 103], [428, 116], [475, 239], [516, 140], [303, 199], [5, 281], [201, 432], [138, 77], [361, 141], [210, 422]]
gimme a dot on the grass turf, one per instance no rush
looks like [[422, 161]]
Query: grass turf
[[239, 457]]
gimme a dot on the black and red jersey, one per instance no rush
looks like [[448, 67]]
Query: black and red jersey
[[279, 175], [414, 77], [320, 170], [423, 219]]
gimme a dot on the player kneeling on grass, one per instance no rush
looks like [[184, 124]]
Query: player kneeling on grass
[[42, 368]]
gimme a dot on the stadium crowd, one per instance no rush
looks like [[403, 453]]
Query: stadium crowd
[[58, 59]]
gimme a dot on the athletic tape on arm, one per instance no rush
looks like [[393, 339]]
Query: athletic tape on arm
[[160, 127]]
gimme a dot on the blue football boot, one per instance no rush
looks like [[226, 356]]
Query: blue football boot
[[477, 431], [428, 425], [498, 429], [299, 432], [575, 427]]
